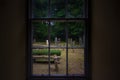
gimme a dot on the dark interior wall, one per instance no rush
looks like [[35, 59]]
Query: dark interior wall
[[12, 39], [104, 39]]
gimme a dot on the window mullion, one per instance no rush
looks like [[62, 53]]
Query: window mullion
[[66, 31], [86, 56], [49, 47], [66, 8], [86, 8], [49, 9], [49, 37]]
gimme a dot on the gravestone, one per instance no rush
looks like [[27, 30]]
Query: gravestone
[[58, 41], [73, 44], [56, 44], [47, 42], [70, 42], [80, 41]]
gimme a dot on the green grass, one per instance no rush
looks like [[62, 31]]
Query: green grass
[[46, 52]]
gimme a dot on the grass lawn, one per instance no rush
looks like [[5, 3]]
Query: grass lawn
[[75, 63]]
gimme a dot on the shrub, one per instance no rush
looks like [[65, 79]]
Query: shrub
[[45, 52]]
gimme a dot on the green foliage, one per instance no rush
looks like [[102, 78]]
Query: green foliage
[[57, 8], [75, 30], [75, 8], [39, 8], [45, 52], [40, 31], [58, 30]]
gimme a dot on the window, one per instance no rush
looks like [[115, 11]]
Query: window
[[58, 39]]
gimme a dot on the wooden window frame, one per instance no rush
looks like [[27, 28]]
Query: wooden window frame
[[87, 56]]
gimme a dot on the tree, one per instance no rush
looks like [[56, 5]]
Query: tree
[[40, 8], [40, 31], [57, 9], [76, 30]]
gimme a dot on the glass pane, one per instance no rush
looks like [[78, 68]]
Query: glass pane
[[57, 8], [75, 8], [76, 38], [58, 48], [39, 8], [76, 42], [40, 47]]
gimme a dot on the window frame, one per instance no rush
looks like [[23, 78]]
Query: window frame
[[87, 56]]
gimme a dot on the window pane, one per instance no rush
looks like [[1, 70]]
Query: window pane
[[75, 8], [57, 8], [40, 47], [58, 61], [76, 40], [39, 8], [58, 44]]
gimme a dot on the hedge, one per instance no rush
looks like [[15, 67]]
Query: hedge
[[45, 52]]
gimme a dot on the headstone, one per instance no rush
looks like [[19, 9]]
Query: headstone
[[47, 43], [73, 44], [80, 41], [70, 42], [58, 42], [55, 41]]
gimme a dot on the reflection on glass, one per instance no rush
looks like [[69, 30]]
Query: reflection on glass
[[40, 48], [57, 8], [76, 47], [40, 8], [75, 8]]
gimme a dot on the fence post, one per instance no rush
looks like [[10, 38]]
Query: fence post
[[56, 63]]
